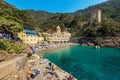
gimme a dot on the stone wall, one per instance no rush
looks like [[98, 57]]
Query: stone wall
[[14, 69]]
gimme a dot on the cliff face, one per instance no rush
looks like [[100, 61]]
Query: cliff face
[[109, 42], [103, 42]]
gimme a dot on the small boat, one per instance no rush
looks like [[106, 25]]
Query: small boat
[[97, 46]]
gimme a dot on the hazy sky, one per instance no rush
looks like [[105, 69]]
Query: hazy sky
[[54, 5]]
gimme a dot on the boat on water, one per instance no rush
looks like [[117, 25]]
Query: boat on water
[[97, 46]]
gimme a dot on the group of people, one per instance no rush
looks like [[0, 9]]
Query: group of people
[[50, 45], [51, 67], [34, 73]]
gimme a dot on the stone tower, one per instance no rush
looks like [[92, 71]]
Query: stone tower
[[96, 15], [58, 29]]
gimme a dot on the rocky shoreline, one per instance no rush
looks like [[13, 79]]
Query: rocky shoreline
[[103, 42], [24, 62], [35, 62], [17, 69]]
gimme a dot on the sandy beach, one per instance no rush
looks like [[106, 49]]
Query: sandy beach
[[41, 51]]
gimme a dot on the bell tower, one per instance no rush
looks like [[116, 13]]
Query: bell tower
[[58, 29]]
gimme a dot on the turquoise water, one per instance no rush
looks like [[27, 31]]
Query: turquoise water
[[88, 63]]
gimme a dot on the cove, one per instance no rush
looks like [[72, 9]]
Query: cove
[[87, 63]]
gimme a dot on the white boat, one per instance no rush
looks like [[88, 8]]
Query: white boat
[[97, 46]]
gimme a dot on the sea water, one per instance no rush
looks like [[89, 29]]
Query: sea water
[[87, 63]]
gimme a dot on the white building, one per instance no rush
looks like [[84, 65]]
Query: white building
[[58, 36]]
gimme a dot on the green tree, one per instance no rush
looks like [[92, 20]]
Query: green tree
[[109, 28], [90, 32], [10, 25]]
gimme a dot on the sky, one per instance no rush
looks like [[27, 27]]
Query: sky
[[62, 6]]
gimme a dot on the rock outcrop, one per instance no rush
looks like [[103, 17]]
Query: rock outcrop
[[104, 42], [14, 69]]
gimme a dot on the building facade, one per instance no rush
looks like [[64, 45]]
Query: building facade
[[58, 36], [30, 37], [96, 15]]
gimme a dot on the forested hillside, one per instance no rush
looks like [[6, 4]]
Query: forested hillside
[[40, 14], [13, 20], [110, 9], [78, 22]]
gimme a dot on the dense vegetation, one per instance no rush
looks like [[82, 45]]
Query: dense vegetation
[[13, 20], [11, 46], [108, 28], [78, 22], [110, 9]]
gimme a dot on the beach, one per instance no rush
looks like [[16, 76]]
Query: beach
[[53, 47], [39, 64]]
